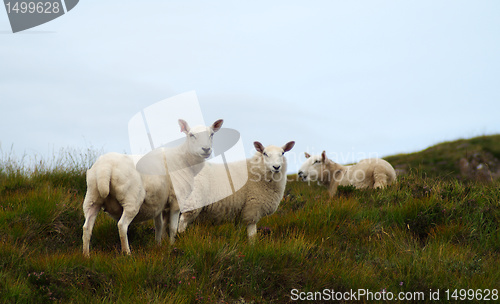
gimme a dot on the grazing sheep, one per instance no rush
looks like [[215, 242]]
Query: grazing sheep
[[134, 194], [259, 197], [368, 173]]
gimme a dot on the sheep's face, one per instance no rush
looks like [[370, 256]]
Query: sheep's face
[[200, 138], [273, 156], [314, 167]]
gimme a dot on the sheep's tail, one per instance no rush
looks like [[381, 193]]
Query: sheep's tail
[[103, 179]]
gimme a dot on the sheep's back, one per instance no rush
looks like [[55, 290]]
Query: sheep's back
[[366, 168]]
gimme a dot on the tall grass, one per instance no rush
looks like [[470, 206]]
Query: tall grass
[[421, 233]]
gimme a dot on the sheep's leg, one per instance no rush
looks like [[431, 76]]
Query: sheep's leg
[[174, 223], [90, 210], [183, 223], [252, 232], [379, 184], [125, 220], [332, 188], [159, 224], [380, 179], [165, 214]]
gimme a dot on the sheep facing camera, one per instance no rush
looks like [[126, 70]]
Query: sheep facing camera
[[25, 14], [154, 135]]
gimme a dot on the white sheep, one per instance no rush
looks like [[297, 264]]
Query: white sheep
[[259, 197], [129, 193], [368, 173]]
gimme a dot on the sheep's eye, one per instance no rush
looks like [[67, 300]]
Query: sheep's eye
[[283, 153], [212, 135], [265, 154], [192, 135]]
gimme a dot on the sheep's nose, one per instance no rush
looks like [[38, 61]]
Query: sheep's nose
[[276, 167], [206, 150], [301, 173]]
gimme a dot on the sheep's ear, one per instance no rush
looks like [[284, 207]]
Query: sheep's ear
[[323, 156], [307, 154], [289, 145], [217, 125], [184, 126], [258, 146]]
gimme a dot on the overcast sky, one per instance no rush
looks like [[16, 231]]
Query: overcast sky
[[354, 78]]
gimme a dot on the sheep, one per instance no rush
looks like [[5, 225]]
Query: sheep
[[134, 194], [368, 173], [259, 197]]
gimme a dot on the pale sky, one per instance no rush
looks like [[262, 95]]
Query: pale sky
[[354, 78]]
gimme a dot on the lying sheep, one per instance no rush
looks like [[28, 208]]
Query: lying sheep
[[259, 197], [368, 173], [127, 195]]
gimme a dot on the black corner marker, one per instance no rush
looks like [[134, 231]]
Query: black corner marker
[[26, 14]]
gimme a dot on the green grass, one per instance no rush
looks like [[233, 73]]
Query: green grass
[[425, 232], [443, 159]]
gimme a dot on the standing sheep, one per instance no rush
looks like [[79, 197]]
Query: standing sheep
[[115, 184], [259, 197], [368, 173]]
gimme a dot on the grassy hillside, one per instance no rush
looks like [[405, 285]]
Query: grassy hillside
[[444, 160], [427, 232]]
